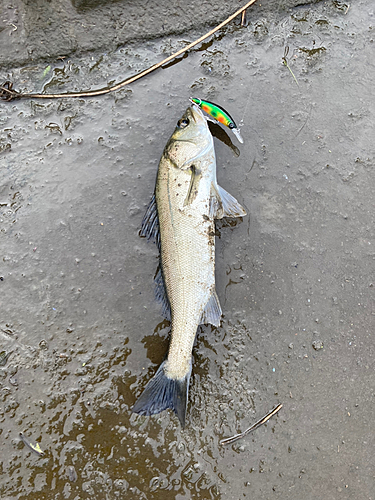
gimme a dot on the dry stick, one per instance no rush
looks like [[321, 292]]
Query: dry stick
[[253, 427], [285, 62], [11, 94]]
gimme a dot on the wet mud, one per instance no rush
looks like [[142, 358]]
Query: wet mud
[[80, 331], [32, 30]]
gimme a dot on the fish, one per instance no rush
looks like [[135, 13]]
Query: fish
[[181, 220]]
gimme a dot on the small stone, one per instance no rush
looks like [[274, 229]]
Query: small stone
[[72, 474], [317, 344], [43, 345]]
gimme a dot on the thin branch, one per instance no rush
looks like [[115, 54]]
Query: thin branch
[[253, 427], [8, 94], [285, 62]]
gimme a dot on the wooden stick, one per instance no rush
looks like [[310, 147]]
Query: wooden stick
[[8, 94], [253, 427]]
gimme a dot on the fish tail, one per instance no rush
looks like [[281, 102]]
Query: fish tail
[[163, 392]]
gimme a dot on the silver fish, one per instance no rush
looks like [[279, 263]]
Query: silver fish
[[181, 219]]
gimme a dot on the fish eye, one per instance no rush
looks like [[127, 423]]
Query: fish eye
[[183, 123]]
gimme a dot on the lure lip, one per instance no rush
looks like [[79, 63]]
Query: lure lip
[[237, 133]]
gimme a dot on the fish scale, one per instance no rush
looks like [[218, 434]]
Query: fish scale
[[189, 277]]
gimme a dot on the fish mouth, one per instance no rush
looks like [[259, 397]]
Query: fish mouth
[[200, 124], [197, 114]]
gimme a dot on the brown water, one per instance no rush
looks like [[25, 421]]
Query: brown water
[[295, 278]]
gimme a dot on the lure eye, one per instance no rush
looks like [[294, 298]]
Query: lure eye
[[183, 123]]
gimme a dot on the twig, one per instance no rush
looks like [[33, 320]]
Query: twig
[[8, 94], [285, 62], [303, 126], [243, 18], [253, 427]]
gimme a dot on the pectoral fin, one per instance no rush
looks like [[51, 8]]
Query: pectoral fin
[[223, 204], [193, 186], [212, 312]]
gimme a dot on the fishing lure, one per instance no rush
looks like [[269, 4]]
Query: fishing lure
[[219, 114]]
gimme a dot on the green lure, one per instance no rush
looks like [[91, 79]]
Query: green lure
[[219, 114]]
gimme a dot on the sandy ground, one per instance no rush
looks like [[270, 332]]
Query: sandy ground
[[295, 278]]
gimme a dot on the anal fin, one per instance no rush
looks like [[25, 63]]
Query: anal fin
[[212, 312]]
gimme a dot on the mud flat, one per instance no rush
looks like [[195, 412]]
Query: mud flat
[[295, 278]]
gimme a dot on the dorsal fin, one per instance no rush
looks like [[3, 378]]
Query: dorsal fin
[[161, 294], [150, 223], [150, 230]]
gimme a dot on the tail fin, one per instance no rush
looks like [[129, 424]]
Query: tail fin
[[162, 392]]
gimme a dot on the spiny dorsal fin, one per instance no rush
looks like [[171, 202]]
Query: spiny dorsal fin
[[150, 230], [150, 223]]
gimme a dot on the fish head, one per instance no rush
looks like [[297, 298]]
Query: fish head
[[191, 126], [191, 139]]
